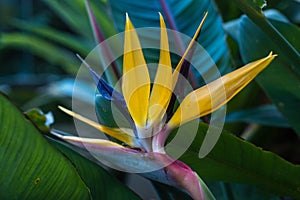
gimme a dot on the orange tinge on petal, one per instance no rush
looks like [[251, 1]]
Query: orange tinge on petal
[[212, 96]]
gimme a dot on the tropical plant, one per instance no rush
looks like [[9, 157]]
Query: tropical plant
[[39, 161]]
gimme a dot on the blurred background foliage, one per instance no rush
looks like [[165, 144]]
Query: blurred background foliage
[[39, 40]]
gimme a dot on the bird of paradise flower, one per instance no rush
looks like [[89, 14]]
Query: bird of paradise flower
[[147, 108]]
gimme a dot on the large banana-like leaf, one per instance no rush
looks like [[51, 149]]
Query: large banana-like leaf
[[101, 184], [280, 81], [236, 160], [253, 10], [42, 172], [31, 168]]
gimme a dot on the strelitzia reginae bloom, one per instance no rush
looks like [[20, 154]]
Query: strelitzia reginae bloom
[[147, 108]]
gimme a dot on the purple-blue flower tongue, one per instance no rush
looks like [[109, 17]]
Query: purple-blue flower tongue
[[103, 87], [108, 94]]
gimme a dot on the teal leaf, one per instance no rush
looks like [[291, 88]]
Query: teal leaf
[[264, 115], [166, 192], [235, 191], [232, 27], [284, 45], [280, 80], [187, 16]]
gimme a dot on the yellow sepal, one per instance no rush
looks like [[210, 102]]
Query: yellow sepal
[[179, 65], [124, 135], [100, 142], [135, 79], [212, 96], [162, 87]]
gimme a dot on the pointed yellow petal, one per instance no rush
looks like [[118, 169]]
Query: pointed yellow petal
[[124, 135], [212, 96], [196, 35], [162, 87], [100, 142], [135, 80]]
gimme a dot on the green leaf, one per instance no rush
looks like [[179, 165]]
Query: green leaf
[[41, 48], [265, 115], [187, 16], [77, 44], [280, 80], [235, 160], [73, 13], [72, 16], [235, 191], [103, 19], [240, 191], [232, 27], [166, 192], [101, 184], [30, 167], [284, 46]]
